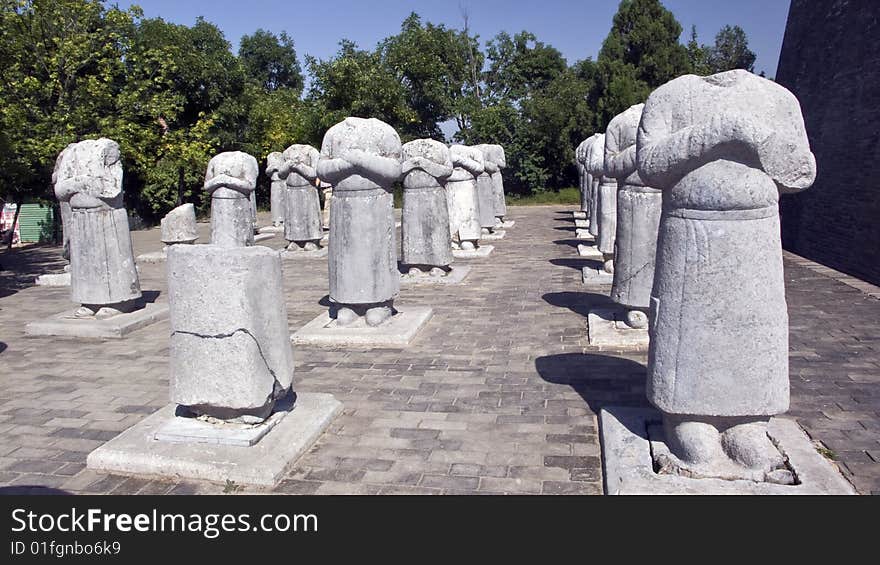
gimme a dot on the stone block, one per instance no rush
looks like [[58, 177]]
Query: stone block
[[401, 329], [596, 276], [116, 327], [481, 251], [608, 330], [455, 276]]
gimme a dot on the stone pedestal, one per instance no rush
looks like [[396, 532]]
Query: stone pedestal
[[589, 252], [493, 236], [115, 327], [400, 329], [596, 276], [628, 436], [607, 329], [456, 275], [217, 455], [319, 253], [479, 252], [53, 279]]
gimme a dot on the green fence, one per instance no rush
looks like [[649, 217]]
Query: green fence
[[35, 223]]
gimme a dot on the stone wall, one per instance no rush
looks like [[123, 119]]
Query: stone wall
[[831, 61]]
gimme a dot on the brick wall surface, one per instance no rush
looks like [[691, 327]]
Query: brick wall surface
[[831, 61]]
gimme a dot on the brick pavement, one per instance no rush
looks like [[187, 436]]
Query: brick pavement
[[498, 394]]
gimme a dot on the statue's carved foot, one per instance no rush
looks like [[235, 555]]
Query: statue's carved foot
[[86, 311], [415, 272], [378, 315], [636, 319], [311, 246], [608, 266], [437, 272], [293, 247], [468, 246], [485, 231], [346, 316], [722, 448]]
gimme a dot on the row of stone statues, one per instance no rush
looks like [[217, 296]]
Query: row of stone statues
[[682, 193]]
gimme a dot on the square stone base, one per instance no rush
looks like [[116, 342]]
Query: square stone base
[[117, 327], [53, 279], [317, 254], [583, 224], [271, 229], [589, 251], [596, 276], [583, 233], [137, 452], [628, 464], [481, 251], [497, 234], [455, 276], [400, 330], [194, 430], [579, 215], [607, 329], [152, 257], [263, 236], [506, 224]]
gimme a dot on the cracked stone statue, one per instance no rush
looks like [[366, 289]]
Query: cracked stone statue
[[424, 230], [360, 157], [103, 277], [461, 196], [638, 219], [594, 164], [230, 353], [302, 223], [231, 178], [721, 148], [585, 180], [277, 196]]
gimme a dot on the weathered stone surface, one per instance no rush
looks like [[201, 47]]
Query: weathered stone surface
[[277, 195], [230, 354], [461, 193], [399, 330], [721, 148], [628, 466], [136, 452], [88, 177], [179, 225], [582, 156], [454, 275], [302, 224], [361, 159], [231, 178], [70, 324], [327, 190], [595, 165], [424, 231], [638, 214], [607, 329], [494, 160]]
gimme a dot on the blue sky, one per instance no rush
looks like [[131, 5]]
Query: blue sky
[[576, 28]]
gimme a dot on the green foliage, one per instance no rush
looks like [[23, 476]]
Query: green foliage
[[175, 95], [564, 197]]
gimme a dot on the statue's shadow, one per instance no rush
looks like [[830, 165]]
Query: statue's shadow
[[601, 380]]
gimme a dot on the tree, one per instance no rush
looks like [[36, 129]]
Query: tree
[[270, 61], [432, 63], [698, 55], [520, 65], [731, 51]]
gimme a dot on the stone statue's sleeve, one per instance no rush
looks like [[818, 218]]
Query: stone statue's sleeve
[[436, 170], [308, 170], [251, 171], [618, 164], [109, 184], [381, 169], [469, 163], [64, 188]]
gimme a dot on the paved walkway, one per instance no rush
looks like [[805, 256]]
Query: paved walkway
[[498, 394]]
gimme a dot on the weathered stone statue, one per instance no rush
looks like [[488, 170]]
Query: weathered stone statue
[[253, 198], [230, 180], [302, 224], [496, 154], [327, 190], [277, 195], [233, 360], [595, 164], [486, 193], [361, 159], [585, 179], [721, 148], [461, 196], [179, 226], [425, 227], [606, 208], [638, 219], [104, 280]]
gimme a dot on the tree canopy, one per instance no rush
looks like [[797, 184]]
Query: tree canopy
[[174, 95]]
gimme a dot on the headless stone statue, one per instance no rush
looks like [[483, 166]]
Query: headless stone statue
[[495, 161], [302, 224], [277, 196], [607, 211], [721, 148], [231, 178], [425, 227], [461, 196], [638, 219], [104, 280], [361, 159], [585, 180], [595, 163]]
